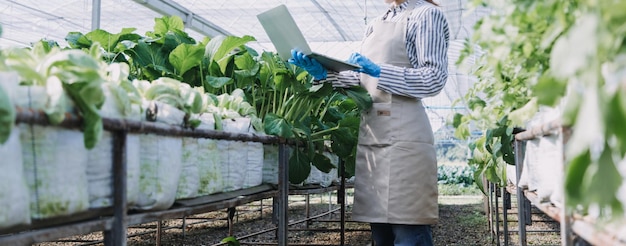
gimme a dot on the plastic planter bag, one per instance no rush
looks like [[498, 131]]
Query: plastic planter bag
[[270, 164], [55, 169], [189, 180], [54, 161], [160, 163], [193, 154], [14, 196], [100, 160], [254, 166], [160, 167], [234, 157], [210, 167]]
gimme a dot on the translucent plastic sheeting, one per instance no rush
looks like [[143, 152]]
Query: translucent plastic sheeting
[[330, 26]]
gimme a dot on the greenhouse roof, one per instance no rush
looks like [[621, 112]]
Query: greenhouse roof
[[25, 21], [323, 22], [332, 27]]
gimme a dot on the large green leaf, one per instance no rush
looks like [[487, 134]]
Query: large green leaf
[[231, 241], [343, 142], [574, 178], [275, 125], [185, 57], [175, 38], [220, 49], [360, 96], [216, 82], [549, 90], [7, 116], [107, 40], [151, 59], [24, 63], [615, 114], [92, 122], [77, 40], [299, 166], [168, 24], [323, 163], [605, 181]]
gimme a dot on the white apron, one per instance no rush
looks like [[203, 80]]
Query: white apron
[[396, 165]]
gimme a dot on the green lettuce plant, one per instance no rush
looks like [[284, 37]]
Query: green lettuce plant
[[63, 71], [549, 53], [285, 102]]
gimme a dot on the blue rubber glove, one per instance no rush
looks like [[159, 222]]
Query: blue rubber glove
[[312, 66], [367, 66]]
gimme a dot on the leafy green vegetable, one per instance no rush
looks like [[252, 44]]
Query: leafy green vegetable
[[569, 54], [185, 57], [7, 116]]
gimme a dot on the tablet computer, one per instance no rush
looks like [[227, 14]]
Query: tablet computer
[[285, 35]]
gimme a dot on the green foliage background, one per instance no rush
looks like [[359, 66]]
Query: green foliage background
[[565, 54]]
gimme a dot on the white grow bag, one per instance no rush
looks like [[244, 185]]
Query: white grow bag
[[160, 163], [14, 196], [194, 153], [54, 162], [254, 166], [100, 161], [55, 169], [234, 156], [270, 164]]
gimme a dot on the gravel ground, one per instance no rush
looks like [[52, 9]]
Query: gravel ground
[[462, 222]]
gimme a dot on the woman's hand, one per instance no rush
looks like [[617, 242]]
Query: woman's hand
[[312, 66], [367, 66]]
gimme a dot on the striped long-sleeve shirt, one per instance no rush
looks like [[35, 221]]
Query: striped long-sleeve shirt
[[427, 45]]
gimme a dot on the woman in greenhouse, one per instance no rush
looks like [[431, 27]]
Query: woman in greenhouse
[[403, 59]]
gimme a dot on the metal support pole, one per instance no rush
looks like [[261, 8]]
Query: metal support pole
[[261, 215], [283, 194], [159, 232], [184, 226], [117, 234], [521, 204], [506, 200], [341, 200], [95, 14], [307, 209], [496, 211], [567, 233], [231, 215], [330, 204]]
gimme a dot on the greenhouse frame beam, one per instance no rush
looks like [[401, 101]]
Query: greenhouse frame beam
[[95, 14], [192, 21], [331, 20]]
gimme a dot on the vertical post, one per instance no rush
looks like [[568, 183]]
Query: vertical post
[[117, 234], [95, 14], [341, 199], [184, 226], [496, 211], [567, 235], [330, 205], [159, 230], [283, 193], [506, 204], [261, 215], [231, 215], [521, 205], [307, 209], [487, 203]]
